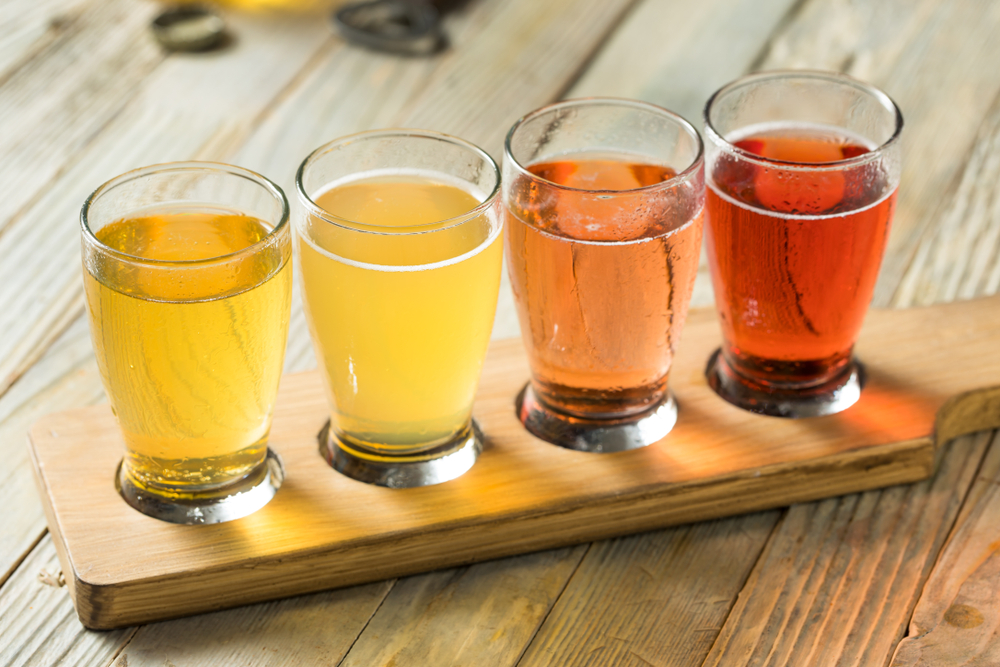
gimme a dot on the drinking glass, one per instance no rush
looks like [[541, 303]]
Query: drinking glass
[[803, 169], [400, 257], [604, 203], [188, 285]]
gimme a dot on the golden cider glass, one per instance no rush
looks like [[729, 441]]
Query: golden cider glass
[[188, 285]]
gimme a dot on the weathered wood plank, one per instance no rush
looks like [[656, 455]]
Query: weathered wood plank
[[175, 112], [956, 621], [40, 628], [309, 630], [443, 618], [83, 62], [839, 578], [27, 27], [38, 623], [652, 599], [67, 376], [54, 104], [676, 54], [529, 54], [859, 37], [957, 258]]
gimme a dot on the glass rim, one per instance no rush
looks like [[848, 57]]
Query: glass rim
[[355, 226], [679, 178], [814, 75], [192, 166]]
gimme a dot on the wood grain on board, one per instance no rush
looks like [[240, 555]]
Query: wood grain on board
[[324, 530]]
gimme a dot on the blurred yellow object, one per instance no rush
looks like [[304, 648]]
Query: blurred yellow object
[[296, 6]]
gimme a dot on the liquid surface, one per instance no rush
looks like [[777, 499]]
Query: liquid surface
[[592, 213], [398, 200], [597, 174], [192, 379], [188, 236], [795, 255], [803, 145], [602, 286], [400, 322]]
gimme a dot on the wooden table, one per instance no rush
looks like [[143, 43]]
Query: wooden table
[[905, 576]]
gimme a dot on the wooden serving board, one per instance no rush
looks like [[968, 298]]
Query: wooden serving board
[[932, 375]]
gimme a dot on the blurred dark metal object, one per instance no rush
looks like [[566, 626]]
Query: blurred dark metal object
[[408, 27], [188, 28]]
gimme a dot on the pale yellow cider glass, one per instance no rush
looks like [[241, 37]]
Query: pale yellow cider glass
[[400, 253]]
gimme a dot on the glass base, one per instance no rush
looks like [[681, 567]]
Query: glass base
[[440, 464], [596, 435], [233, 501], [828, 398]]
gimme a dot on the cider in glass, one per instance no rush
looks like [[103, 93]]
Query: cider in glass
[[604, 203], [189, 304], [400, 274], [802, 170]]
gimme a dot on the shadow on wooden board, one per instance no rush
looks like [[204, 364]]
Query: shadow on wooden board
[[933, 374]]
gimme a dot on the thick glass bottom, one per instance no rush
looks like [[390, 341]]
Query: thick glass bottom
[[434, 466], [599, 404], [830, 397], [227, 503], [596, 435]]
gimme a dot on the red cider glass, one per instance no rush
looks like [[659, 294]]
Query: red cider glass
[[802, 170]]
